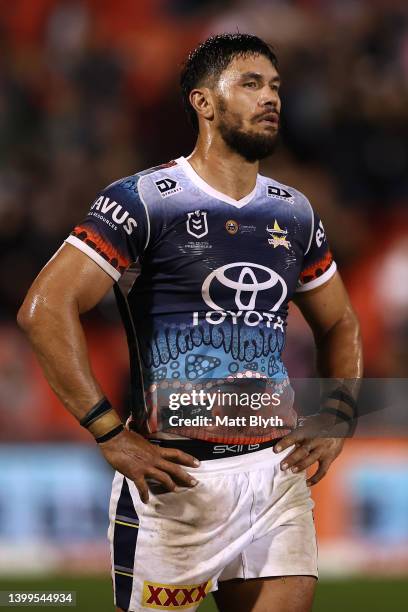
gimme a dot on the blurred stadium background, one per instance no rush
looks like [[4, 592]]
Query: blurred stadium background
[[89, 93]]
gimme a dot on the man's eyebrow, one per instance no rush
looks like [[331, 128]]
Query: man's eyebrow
[[259, 77], [252, 75]]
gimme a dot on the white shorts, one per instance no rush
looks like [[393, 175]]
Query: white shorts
[[245, 519]]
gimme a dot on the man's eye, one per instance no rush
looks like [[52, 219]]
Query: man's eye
[[250, 84]]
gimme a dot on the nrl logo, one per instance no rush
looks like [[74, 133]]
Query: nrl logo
[[197, 225], [278, 236]]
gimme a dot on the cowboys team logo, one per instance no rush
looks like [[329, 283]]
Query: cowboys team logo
[[197, 225], [278, 236]]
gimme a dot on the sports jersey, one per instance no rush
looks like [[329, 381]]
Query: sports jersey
[[202, 280]]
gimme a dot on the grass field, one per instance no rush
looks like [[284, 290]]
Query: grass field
[[354, 595]]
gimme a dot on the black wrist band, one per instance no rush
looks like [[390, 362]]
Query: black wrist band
[[341, 396], [95, 412], [337, 413], [111, 434]]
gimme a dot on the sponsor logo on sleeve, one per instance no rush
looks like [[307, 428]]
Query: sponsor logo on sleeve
[[113, 214], [171, 597], [320, 235], [280, 194], [167, 187]]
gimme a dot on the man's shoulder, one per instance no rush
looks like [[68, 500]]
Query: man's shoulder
[[280, 191], [130, 185]]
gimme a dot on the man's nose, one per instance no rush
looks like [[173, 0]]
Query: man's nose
[[269, 97]]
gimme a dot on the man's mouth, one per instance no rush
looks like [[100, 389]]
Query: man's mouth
[[269, 119]]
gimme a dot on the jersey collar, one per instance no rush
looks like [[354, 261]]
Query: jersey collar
[[201, 184]]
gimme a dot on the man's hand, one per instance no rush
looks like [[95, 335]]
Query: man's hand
[[312, 443], [137, 459]]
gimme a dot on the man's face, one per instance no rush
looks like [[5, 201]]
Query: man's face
[[248, 106]]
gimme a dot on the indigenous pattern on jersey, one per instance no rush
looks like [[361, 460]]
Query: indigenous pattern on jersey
[[203, 281]]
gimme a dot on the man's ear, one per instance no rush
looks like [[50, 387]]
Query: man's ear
[[201, 101]]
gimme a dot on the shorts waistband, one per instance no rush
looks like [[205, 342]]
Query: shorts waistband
[[205, 451]]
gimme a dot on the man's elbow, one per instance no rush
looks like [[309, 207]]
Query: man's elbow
[[346, 325], [45, 311], [33, 313], [26, 316], [350, 320]]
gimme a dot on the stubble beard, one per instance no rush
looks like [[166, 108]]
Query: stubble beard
[[251, 146]]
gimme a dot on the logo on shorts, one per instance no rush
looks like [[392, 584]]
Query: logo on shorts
[[221, 449], [167, 187], [197, 224], [160, 596]]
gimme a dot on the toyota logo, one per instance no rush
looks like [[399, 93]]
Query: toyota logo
[[246, 286]]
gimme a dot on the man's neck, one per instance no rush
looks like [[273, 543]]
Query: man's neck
[[223, 169]]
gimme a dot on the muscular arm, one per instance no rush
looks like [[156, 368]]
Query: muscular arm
[[69, 285], [335, 327]]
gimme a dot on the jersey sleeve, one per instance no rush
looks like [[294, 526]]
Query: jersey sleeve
[[318, 264], [116, 230]]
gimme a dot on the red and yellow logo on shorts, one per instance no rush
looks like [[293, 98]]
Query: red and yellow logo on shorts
[[170, 597]]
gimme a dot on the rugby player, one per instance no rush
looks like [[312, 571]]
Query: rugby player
[[217, 251]]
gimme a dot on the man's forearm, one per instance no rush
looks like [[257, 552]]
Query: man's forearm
[[50, 316], [59, 342], [340, 364], [339, 350]]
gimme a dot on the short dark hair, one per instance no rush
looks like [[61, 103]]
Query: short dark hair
[[212, 57]]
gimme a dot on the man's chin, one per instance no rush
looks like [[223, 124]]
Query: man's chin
[[259, 147], [268, 128], [251, 145]]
